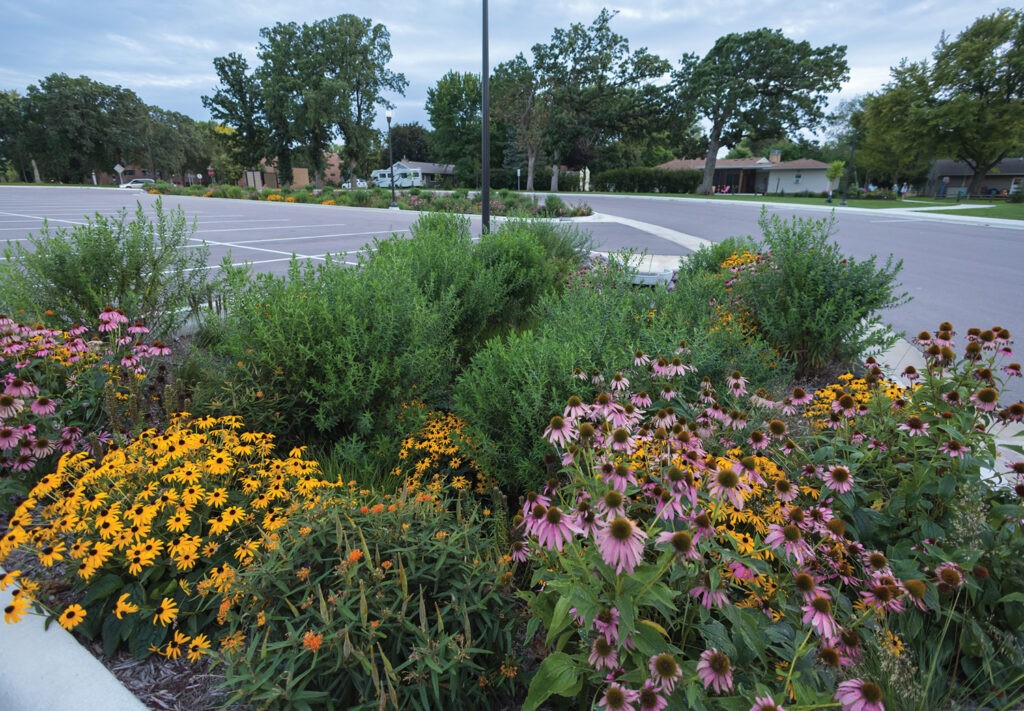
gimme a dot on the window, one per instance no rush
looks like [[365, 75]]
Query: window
[[796, 178]]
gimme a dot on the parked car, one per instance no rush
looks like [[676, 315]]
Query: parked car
[[141, 183], [360, 183]]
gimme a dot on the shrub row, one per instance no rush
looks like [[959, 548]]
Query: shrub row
[[647, 180]]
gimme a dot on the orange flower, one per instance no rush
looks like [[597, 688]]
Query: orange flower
[[386, 565], [355, 556], [312, 641], [377, 508]]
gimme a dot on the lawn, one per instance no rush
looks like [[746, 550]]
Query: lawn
[[992, 209]]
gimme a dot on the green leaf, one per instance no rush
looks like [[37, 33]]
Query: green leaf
[[102, 588], [557, 675], [559, 619]]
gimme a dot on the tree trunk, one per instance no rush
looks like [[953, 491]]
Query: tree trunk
[[980, 171], [709, 165], [554, 176], [35, 172], [531, 164]]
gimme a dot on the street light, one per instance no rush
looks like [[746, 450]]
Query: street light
[[391, 159]]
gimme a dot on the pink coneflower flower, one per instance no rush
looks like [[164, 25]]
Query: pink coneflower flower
[[807, 585], [158, 348], [708, 598], [954, 449], [818, 614], [701, 525], [42, 447], [661, 367], [1012, 369], [8, 437], [715, 671], [736, 420], [727, 484], [111, 319], [784, 490], [846, 405], [10, 406], [612, 504], [580, 374], [839, 479], [622, 441], [910, 373], [603, 654], [619, 698], [559, 431], [668, 506], [138, 328], [43, 406], [619, 383], [886, 598], [758, 440], [585, 520], [665, 671], [737, 383], [641, 399], [742, 572], [949, 576], [606, 622], [640, 359], [682, 544], [575, 409], [915, 426], [650, 698], [555, 529], [760, 399], [621, 544], [765, 703], [667, 393], [17, 387], [915, 591], [859, 695], [620, 476], [800, 396], [520, 552], [986, 399], [791, 540]]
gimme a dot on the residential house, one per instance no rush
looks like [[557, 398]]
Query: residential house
[[951, 178], [761, 175]]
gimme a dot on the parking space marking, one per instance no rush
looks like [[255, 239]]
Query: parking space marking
[[41, 218], [242, 243]]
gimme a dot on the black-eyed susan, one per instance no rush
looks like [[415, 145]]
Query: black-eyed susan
[[166, 612], [197, 647], [124, 607], [9, 578], [174, 646], [51, 552], [72, 617], [16, 609]]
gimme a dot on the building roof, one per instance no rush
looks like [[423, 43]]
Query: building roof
[[956, 168], [750, 163]]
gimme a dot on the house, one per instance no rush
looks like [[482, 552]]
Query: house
[[951, 178], [762, 175]]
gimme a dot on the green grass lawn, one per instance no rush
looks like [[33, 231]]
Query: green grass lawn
[[853, 202], [1001, 210]]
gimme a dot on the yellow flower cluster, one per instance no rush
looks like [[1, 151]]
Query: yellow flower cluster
[[328, 202], [440, 450], [290, 198], [821, 410], [741, 259], [274, 197], [190, 503]]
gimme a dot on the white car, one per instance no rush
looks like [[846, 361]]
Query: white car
[[347, 185], [140, 183]]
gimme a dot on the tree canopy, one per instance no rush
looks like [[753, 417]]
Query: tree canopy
[[757, 82]]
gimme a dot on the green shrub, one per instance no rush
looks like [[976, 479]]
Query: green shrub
[[709, 258], [812, 303], [647, 180], [517, 268], [554, 206], [326, 351], [377, 603], [149, 268]]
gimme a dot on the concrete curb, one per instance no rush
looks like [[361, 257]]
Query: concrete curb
[[48, 670]]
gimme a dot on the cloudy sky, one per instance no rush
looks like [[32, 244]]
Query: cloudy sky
[[164, 51]]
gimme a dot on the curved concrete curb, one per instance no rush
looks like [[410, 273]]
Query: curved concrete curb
[[48, 670]]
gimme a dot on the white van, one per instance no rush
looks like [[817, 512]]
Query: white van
[[404, 178]]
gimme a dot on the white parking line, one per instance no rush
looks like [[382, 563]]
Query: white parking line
[[281, 227], [312, 237], [40, 218]]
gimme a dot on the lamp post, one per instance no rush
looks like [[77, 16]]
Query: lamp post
[[853, 147], [485, 134], [391, 160]]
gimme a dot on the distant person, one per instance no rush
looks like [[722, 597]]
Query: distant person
[[903, 191]]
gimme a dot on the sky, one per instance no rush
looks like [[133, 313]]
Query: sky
[[164, 51]]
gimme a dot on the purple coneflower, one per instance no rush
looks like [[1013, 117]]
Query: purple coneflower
[[555, 529], [665, 671], [915, 426], [758, 440], [715, 671], [621, 544], [765, 703], [668, 506], [17, 387], [790, 539], [839, 479], [859, 695], [910, 373], [619, 698], [1012, 369], [954, 449], [622, 441], [986, 399], [575, 409], [640, 359], [727, 484], [737, 383], [603, 654], [619, 383], [682, 544], [42, 447], [8, 437], [650, 698], [10, 406], [559, 431], [43, 406], [801, 396], [520, 552], [667, 393], [949, 576], [607, 623], [641, 399], [111, 318], [612, 504], [818, 614], [709, 598], [620, 477]]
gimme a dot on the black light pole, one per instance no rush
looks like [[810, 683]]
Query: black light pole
[[853, 146], [485, 136], [391, 160]]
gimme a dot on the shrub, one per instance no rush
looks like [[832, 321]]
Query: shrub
[[517, 268], [814, 305], [151, 536], [364, 604], [326, 351], [647, 180], [146, 267]]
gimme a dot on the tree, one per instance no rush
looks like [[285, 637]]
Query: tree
[[516, 100], [238, 103], [453, 105], [410, 141], [595, 90], [897, 142], [977, 82], [12, 152], [757, 82]]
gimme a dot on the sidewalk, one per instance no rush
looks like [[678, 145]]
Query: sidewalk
[[48, 670]]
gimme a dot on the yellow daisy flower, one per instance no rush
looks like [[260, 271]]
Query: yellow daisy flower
[[124, 607], [166, 612], [72, 617]]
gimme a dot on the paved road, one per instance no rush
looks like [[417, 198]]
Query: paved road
[[965, 270]]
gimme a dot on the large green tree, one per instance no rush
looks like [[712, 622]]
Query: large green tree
[[518, 102], [453, 105], [595, 91], [758, 82], [410, 141], [977, 89], [238, 104]]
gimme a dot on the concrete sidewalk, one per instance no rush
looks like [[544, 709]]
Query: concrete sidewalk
[[48, 670]]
